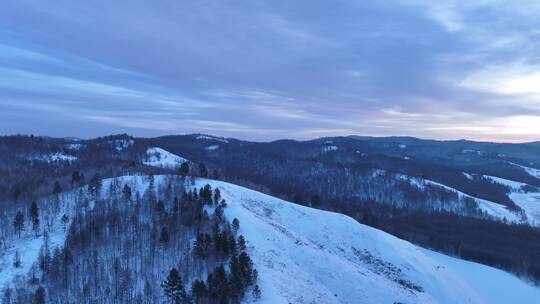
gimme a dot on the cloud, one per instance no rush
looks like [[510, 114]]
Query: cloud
[[270, 69]]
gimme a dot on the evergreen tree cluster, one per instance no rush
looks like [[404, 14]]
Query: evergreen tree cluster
[[124, 246]]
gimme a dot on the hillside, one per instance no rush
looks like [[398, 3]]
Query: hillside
[[302, 255]]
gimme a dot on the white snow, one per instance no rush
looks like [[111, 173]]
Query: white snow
[[471, 151], [75, 146], [529, 202], [212, 148], [28, 245], [208, 137], [158, 157], [122, 144], [531, 171], [493, 209], [306, 255], [516, 186], [402, 146], [326, 149], [468, 176], [491, 284], [53, 157]]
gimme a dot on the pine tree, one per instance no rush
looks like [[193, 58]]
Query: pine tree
[[184, 169], [95, 184], [316, 201], [236, 279], [45, 254], [65, 221], [241, 243], [217, 196], [198, 291], [18, 223], [217, 285], [235, 225], [34, 217], [57, 188], [8, 295], [126, 191], [160, 207], [257, 292], [246, 268], [75, 177], [17, 263], [174, 288], [39, 296], [164, 237], [203, 172]]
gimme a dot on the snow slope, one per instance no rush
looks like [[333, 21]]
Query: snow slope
[[493, 209], [493, 285], [158, 157], [531, 171], [529, 202], [306, 255]]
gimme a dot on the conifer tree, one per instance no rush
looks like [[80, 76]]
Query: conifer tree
[[18, 223], [57, 188], [184, 169], [34, 217], [257, 292], [246, 268], [75, 177], [203, 172], [198, 291], [241, 243], [65, 221], [164, 237], [126, 191], [217, 196], [235, 225], [174, 288], [39, 296], [95, 184], [17, 263]]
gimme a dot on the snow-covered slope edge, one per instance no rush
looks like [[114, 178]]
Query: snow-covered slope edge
[[158, 157], [523, 195], [306, 255], [491, 209]]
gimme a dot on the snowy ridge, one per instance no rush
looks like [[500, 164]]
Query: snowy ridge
[[529, 202], [212, 148], [121, 144], [493, 209], [54, 157], [209, 137], [158, 157], [531, 171], [306, 255]]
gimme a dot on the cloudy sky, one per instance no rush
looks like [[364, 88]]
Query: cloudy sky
[[262, 70]]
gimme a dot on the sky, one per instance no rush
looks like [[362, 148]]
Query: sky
[[263, 70]]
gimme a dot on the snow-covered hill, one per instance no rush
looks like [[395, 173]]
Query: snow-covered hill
[[158, 157], [491, 209], [306, 255], [525, 196]]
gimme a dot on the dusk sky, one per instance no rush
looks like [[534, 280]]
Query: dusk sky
[[263, 70]]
